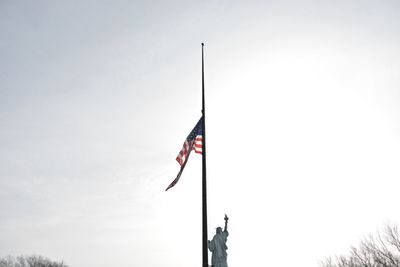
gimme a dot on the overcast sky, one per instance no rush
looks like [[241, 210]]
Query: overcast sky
[[97, 97]]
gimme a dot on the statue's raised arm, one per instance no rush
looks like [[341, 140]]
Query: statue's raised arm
[[226, 223]]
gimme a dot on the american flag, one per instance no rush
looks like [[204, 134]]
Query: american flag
[[194, 141]]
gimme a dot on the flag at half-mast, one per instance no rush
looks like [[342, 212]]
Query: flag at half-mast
[[194, 141]]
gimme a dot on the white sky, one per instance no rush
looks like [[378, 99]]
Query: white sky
[[97, 97]]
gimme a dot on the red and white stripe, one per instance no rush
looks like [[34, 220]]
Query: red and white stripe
[[196, 145]]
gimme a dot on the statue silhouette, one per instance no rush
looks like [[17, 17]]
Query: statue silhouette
[[218, 246]]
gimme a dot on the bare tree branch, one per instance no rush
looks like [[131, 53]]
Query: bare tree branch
[[381, 250], [29, 261]]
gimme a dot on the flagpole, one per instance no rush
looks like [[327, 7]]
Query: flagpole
[[204, 180]]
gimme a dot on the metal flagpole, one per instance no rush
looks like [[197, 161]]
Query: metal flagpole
[[204, 184]]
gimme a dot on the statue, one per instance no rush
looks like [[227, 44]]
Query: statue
[[218, 246]]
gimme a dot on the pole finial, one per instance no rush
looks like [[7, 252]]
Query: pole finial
[[202, 44]]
